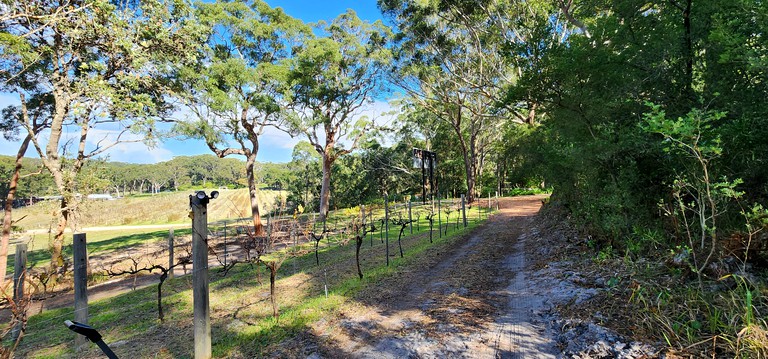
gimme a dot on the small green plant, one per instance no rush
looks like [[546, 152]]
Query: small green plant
[[698, 196], [756, 221], [604, 254], [643, 239]]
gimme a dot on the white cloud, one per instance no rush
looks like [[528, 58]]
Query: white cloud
[[275, 145], [275, 138], [129, 149]]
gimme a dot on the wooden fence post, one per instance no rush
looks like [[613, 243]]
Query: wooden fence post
[[80, 256], [464, 210], [202, 320], [20, 265], [497, 200], [19, 274], [170, 253]]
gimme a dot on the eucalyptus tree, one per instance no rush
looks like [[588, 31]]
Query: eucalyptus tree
[[179, 171], [388, 169], [237, 90], [12, 117], [305, 163], [450, 64], [332, 78], [104, 66]]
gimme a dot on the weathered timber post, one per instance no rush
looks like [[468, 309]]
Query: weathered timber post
[[19, 268], [170, 253], [80, 256], [200, 302], [386, 225], [410, 216], [19, 275], [497, 200], [464, 210]]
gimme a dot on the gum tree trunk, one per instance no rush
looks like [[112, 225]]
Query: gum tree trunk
[[325, 191], [253, 194], [7, 218]]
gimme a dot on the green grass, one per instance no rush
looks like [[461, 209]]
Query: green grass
[[101, 242], [132, 316], [161, 208], [527, 191]]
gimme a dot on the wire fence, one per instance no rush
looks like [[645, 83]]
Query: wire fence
[[293, 236]]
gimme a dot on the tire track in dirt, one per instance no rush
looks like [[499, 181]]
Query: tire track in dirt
[[473, 301], [519, 331]]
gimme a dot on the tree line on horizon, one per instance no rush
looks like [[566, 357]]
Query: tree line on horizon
[[121, 179]]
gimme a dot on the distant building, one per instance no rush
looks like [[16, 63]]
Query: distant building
[[101, 196]]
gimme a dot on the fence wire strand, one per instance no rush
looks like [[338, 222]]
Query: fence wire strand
[[70, 314]]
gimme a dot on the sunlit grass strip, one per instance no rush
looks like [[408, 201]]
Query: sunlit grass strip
[[99, 243]]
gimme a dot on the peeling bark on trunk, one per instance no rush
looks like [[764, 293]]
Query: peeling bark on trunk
[[468, 156], [57, 259], [530, 120], [254, 195], [325, 191], [470, 175], [7, 218]]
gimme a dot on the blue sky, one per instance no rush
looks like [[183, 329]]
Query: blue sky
[[275, 146], [315, 10]]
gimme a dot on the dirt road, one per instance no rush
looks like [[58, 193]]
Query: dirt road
[[478, 299]]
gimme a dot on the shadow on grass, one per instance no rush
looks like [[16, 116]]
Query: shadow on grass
[[41, 257]]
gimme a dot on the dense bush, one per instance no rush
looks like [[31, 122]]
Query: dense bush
[[645, 63]]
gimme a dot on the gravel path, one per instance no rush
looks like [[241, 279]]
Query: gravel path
[[521, 333], [476, 301]]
